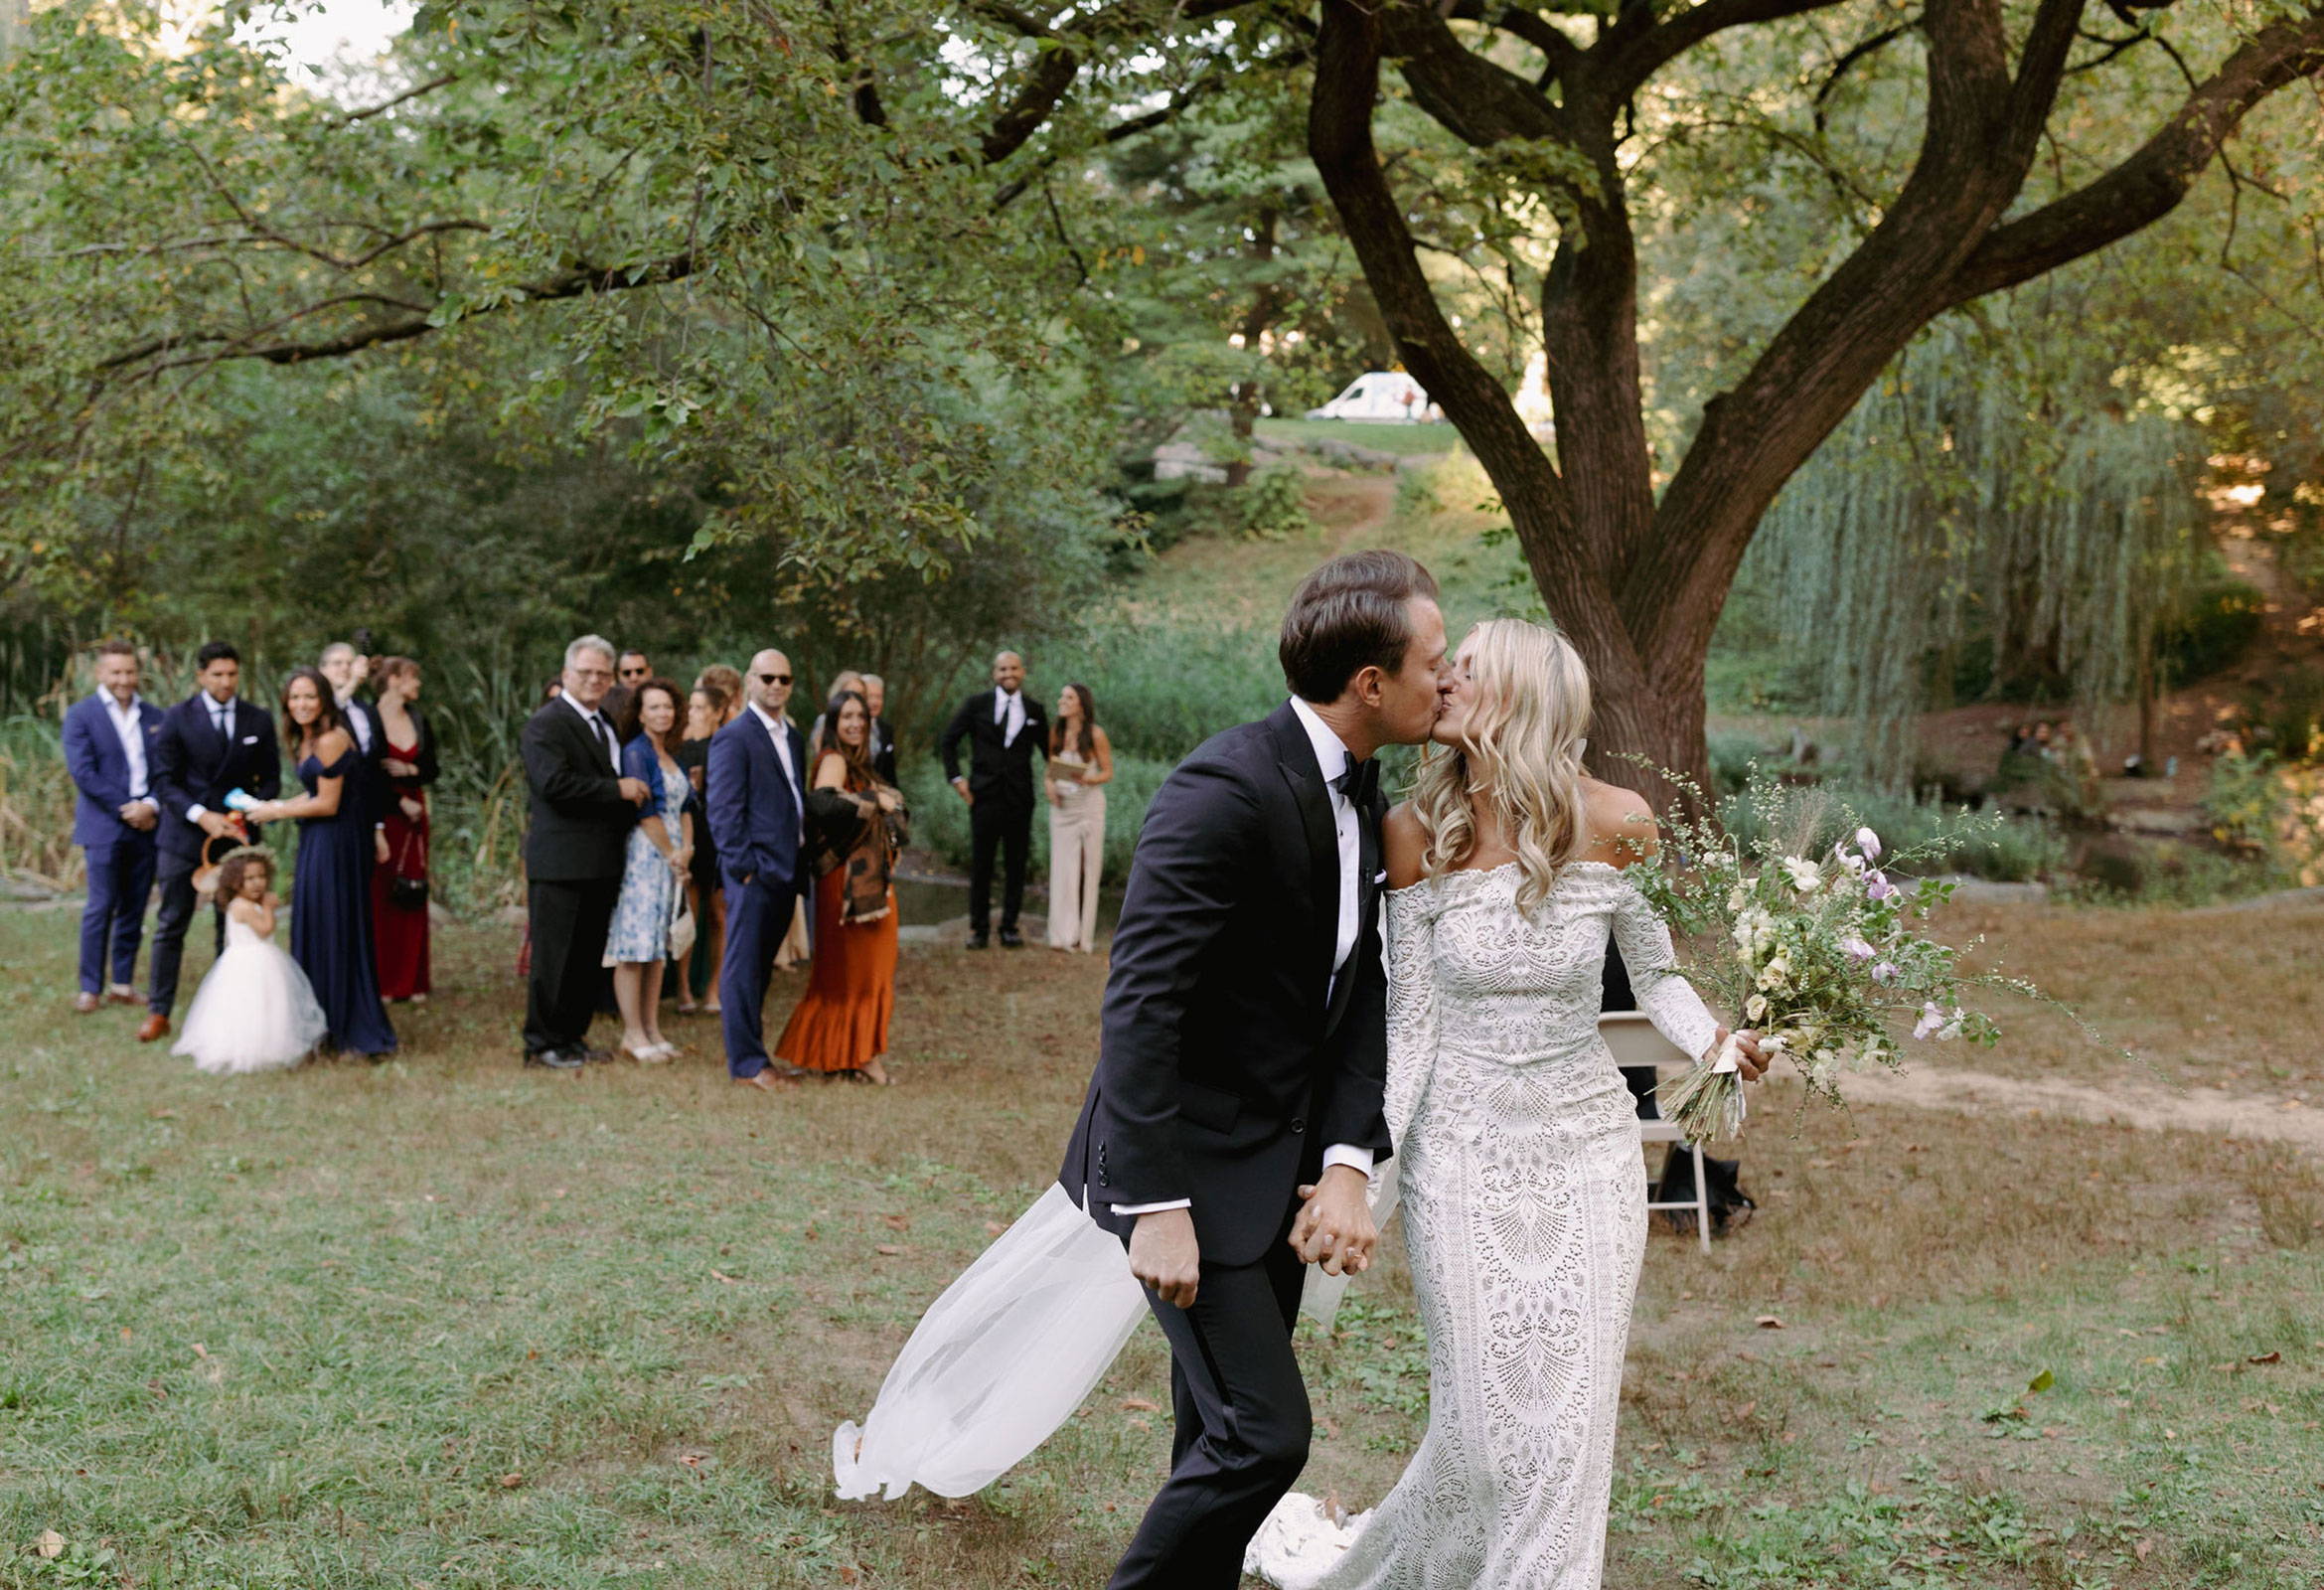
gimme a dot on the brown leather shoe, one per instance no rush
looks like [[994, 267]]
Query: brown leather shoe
[[767, 1082], [156, 1026], [86, 1004]]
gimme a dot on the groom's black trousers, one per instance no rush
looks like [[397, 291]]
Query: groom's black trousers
[[1242, 1425]]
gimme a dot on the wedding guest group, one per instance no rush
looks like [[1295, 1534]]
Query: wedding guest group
[[680, 843], [1005, 728]]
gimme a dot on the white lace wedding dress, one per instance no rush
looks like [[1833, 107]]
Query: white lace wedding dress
[[1523, 1191]]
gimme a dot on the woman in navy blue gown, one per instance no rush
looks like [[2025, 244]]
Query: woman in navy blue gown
[[329, 898]]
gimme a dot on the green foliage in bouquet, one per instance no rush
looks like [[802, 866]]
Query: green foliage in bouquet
[[1821, 952]]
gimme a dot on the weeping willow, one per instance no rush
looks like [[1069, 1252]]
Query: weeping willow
[[1961, 502]]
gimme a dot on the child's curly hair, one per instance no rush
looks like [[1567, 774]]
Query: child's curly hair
[[237, 866]]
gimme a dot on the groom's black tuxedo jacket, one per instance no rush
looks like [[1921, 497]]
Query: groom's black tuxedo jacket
[[1230, 1061]]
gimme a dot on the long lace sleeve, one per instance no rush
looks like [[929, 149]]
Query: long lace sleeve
[[1412, 1002], [1666, 998]]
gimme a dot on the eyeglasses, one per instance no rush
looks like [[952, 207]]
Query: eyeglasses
[[774, 679]]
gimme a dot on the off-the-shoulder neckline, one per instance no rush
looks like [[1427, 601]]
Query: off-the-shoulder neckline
[[1488, 872]]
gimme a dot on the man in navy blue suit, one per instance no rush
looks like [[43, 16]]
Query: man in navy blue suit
[[108, 750], [210, 743], [758, 813]]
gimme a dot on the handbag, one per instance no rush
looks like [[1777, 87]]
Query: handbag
[[406, 889], [682, 928]]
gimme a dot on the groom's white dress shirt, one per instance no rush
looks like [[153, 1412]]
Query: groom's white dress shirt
[[1334, 759]]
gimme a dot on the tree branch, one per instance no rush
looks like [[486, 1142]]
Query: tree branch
[[1637, 47], [579, 281], [2150, 183], [353, 117]]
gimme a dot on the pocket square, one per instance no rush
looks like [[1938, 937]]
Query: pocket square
[[252, 740]]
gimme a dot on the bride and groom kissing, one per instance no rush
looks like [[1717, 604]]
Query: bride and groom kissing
[[1261, 1056]]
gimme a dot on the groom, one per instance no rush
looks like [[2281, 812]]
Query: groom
[[1236, 1110]]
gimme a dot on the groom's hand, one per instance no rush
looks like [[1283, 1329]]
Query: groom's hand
[[1164, 1255], [1335, 1227]]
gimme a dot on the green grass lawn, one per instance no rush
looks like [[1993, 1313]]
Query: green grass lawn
[[448, 1323], [1380, 436]]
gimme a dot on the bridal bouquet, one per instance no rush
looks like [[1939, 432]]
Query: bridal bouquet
[[1819, 948]]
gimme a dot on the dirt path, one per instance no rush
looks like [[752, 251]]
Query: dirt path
[[2147, 1106]]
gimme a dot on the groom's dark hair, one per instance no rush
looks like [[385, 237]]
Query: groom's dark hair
[[1353, 613]]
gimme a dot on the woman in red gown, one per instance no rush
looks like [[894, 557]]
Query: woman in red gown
[[399, 927], [854, 831]]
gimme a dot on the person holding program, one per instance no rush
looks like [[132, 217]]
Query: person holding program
[[256, 1011]]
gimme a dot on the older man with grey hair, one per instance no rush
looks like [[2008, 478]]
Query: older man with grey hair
[[1004, 727], [582, 810]]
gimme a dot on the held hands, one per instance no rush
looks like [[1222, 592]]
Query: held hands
[[634, 791], [1335, 1226], [397, 768], [1751, 1062], [140, 815], [412, 810], [1164, 1255]]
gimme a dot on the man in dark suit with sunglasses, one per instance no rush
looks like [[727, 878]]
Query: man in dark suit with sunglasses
[[758, 799]]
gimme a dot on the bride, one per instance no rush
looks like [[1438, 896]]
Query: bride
[[1516, 1138]]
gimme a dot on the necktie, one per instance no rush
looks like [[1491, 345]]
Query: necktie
[[218, 717], [604, 739], [1359, 782]]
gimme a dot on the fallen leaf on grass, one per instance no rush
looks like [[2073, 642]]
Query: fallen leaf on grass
[[2266, 1358], [1139, 1406], [724, 1278], [2144, 1548], [49, 1544], [887, 1250], [1767, 1322], [900, 1222], [199, 1351], [992, 1227], [509, 1482]]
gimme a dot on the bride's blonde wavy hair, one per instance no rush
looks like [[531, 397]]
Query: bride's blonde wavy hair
[[1528, 715]]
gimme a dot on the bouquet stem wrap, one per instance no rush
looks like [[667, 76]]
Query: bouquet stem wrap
[[1707, 1103]]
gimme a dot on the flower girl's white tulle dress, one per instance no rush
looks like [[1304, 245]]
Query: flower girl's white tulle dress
[[256, 1011]]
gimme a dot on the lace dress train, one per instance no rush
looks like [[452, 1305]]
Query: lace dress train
[[1523, 1195]]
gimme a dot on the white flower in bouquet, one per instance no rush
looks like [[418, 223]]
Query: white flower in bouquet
[[1807, 876]]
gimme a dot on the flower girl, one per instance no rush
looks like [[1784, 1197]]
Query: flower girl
[[256, 1010]]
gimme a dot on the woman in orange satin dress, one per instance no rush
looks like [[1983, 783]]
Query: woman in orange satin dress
[[854, 831]]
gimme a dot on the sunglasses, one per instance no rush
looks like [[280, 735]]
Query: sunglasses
[[774, 679]]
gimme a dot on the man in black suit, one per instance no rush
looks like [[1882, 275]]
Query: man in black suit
[[366, 781], [211, 743], [1236, 1111], [1004, 727], [582, 810]]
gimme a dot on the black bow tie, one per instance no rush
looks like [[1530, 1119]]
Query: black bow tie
[[1359, 782]]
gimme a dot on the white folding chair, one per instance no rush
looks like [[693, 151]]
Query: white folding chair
[[1634, 1041]]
